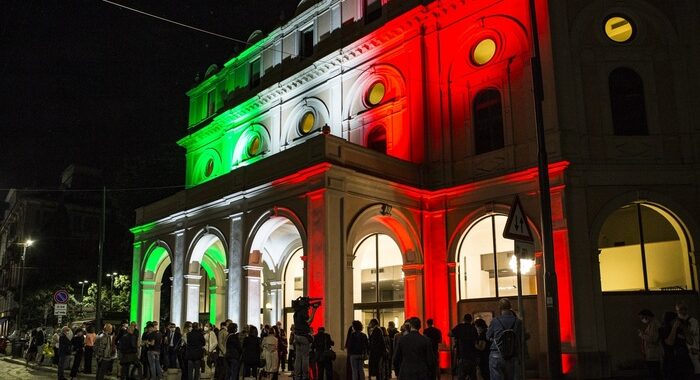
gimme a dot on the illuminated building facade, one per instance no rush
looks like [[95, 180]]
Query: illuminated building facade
[[367, 152]]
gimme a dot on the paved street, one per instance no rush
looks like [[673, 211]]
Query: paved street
[[10, 370]]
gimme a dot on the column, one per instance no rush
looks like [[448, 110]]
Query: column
[[235, 268], [276, 301], [435, 268], [156, 301], [147, 304], [218, 304], [176, 301], [192, 285], [253, 286], [452, 298], [413, 290], [136, 282]]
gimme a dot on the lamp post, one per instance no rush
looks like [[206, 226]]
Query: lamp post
[[28, 243], [112, 276], [82, 289]]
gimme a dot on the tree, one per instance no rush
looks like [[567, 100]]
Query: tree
[[39, 305], [120, 298]]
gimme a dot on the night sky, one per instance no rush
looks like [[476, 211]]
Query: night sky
[[90, 83]]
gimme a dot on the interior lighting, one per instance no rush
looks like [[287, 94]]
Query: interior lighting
[[525, 264]]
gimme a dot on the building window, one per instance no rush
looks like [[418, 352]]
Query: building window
[[209, 168], [488, 121], [211, 103], [255, 73], [306, 46], [372, 10], [643, 247], [376, 140], [627, 103], [307, 123], [619, 29], [255, 146], [483, 52], [378, 280], [487, 265], [293, 283], [375, 94]]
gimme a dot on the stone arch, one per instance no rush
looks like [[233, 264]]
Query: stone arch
[[511, 37], [391, 75], [208, 250], [156, 260], [200, 168], [457, 234], [275, 236], [314, 105], [241, 152], [383, 220]]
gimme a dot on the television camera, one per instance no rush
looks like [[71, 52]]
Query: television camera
[[304, 303]]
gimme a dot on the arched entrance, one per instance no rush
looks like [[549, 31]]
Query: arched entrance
[[275, 271], [156, 266], [206, 279], [378, 280], [645, 261], [486, 264]]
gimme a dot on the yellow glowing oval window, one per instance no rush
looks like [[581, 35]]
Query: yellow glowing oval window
[[484, 51], [209, 169], [376, 93], [255, 146], [307, 122], [619, 29]]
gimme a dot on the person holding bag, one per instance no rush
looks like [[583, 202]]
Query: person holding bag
[[251, 353], [323, 345]]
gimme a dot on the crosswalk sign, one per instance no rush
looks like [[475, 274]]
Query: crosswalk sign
[[516, 226]]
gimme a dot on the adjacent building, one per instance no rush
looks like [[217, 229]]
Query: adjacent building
[[368, 151]]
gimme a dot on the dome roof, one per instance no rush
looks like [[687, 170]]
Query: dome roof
[[304, 5]]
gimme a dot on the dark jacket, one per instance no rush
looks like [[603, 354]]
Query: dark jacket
[[77, 343], [435, 336], [64, 346], [414, 357], [322, 343], [251, 350], [128, 344], [195, 345], [233, 347], [466, 335], [357, 343]]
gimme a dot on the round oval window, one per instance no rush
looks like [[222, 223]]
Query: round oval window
[[484, 51], [254, 146], [619, 29], [209, 169], [376, 93], [307, 122]]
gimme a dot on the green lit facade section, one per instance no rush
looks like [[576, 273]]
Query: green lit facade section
[[221, 142], [135, 282]]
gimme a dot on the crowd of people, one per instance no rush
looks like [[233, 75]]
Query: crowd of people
[[670, 347]]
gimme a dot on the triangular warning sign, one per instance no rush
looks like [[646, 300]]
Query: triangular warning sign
[[516, 226]]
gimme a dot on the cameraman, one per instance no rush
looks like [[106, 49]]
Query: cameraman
[[302, 335]]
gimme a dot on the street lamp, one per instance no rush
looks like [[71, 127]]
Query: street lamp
[[82, 288], [112, 276], [28, 243]]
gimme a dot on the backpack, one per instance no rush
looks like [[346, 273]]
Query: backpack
[[507, 340]]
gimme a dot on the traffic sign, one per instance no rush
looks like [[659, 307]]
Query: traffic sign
[[60, 309], [60, 296], [516, 226]]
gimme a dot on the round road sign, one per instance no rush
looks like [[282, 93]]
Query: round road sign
[[61, 296]]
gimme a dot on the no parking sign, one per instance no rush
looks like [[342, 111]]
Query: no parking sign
[[61, 296]]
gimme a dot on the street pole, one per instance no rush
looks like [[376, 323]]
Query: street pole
[[550, 277], [98, 301], [21, 284]]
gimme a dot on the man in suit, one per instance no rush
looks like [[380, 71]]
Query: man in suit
[[413, 355]]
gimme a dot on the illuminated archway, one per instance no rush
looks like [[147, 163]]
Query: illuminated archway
[[276, 253], [206, 277], [154, 265], [384, 244]]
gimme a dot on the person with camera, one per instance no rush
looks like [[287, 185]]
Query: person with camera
[[302, 334]]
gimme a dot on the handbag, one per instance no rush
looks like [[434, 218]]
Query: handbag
[[328, 355], [262, 363]]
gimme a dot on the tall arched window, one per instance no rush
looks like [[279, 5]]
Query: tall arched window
[[627, 104], [378, 280], [488, 121], [487, 267], [376, 140], [643, 247], [293, 283]]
